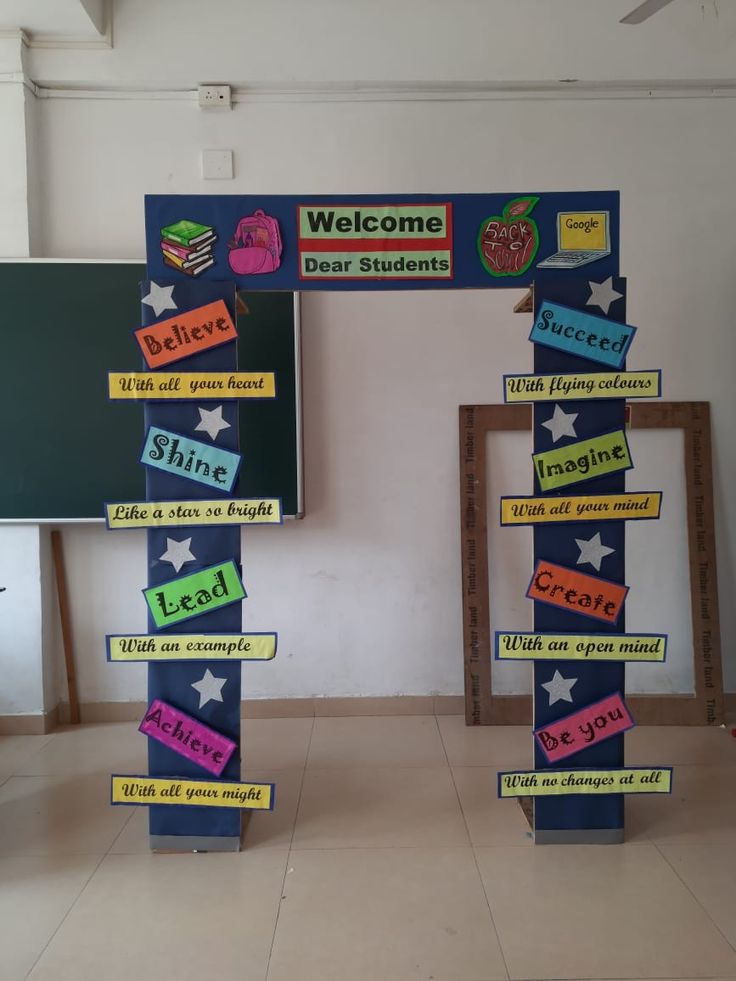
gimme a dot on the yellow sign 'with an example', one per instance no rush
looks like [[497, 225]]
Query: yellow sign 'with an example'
[[191, 647]]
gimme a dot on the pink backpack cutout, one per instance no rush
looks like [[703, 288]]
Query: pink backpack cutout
[[256, 246]]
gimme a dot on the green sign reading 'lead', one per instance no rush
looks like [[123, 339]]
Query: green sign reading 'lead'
[[191, 596], [584, 460]]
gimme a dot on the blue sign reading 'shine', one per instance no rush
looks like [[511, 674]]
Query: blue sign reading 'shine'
[[581, 334], [189, 458]]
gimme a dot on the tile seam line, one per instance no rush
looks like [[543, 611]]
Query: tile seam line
[[384, 848], [68, 911], [475, 857], [341, 848], [133, 811], [687, 887], [290, 849], [81, 891], [439, 765], [47, 738], [375, 766]]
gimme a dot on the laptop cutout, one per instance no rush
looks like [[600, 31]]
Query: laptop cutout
[[582, 237]]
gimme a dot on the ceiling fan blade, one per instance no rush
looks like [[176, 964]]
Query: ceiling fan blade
[[644, 11]]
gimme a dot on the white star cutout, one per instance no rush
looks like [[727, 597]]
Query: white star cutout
[[561, 424], [602, 294], [559, 688], [211, 422], [160, 298], [209, 688], [177, 553], [592, 551]]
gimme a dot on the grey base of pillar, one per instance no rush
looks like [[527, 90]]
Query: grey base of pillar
[[193, 843], [580, 836]]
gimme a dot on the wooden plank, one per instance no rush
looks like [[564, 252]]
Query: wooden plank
[[705, 707], [66, 626], [474, 550], [526, 303], [475, 422], [482, 707], [703, 570]]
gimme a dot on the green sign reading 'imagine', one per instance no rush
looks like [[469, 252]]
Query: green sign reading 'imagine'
[[583, 460]]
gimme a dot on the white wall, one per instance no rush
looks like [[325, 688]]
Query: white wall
[[365, 592], [16, 111], [25, 632], [21, 622]]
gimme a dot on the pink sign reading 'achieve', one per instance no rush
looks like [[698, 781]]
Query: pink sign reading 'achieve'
[[587, 727], [186, 736]]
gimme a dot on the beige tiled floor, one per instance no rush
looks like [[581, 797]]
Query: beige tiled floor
[[389, 857]]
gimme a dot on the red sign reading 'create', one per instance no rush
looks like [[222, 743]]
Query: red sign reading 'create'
[[577, 592]]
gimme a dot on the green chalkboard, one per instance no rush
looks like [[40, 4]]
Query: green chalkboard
[[65, 448]]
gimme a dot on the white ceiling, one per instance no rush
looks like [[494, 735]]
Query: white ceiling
[[54, 18]]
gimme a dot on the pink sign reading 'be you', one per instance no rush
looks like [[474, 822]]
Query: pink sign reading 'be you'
[[186, 736], [587, 727]]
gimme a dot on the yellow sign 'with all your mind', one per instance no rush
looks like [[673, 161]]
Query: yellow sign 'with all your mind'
[[596, 507]]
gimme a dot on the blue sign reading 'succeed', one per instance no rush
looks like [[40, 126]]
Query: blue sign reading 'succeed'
[[581, 334]]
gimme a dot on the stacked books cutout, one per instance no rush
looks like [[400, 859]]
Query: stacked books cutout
[[187, 246]]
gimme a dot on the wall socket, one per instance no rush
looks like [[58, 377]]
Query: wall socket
[[214, 97]]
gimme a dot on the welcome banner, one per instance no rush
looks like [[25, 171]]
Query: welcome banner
[[378, 242], [405, 241]]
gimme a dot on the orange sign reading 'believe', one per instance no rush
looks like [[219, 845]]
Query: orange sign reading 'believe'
[[188, 333], [576, 592]]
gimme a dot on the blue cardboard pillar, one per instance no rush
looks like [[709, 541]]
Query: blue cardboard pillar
[[173, 827], [578, 818]]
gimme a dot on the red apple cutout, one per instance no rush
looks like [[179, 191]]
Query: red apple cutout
[[507, 243]]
